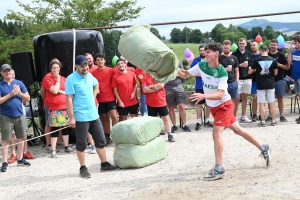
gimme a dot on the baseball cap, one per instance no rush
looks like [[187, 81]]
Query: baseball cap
[[4, 67], [80, 60]]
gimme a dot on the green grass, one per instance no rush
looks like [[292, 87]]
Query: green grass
[[179, 49]]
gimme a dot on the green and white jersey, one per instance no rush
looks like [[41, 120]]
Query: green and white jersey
[[213, 79]]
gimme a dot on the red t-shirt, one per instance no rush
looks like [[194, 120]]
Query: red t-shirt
[[92, 68], [125, 84], [137, 72], [105, 78], [46, 103], [56, 101], [157, 98]]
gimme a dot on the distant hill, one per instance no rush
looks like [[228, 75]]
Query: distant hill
[[277, 26]]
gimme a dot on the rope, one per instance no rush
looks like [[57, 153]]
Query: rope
[[34, 137]]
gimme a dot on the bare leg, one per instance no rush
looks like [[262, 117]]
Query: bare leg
[[5, 150], [13, 143], [60, 139], [207, 111], [254, 103], [199, 111], [272, 110], [134, 115], [236, 105], [113, 116], [244, 103], [280, 105], [166, 123], [262, 111], [102, 154], [182, 113], [104, 118], [20, 148], [66, 140], [47, 130], [53, 143], [123, 117], [81, 157], [172, 114], [218, 143]]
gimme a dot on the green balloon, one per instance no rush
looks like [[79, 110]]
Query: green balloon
[[234, 47], [259, 44], [114, 60]]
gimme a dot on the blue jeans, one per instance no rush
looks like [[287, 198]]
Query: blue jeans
[[143, 109], [288, 81]]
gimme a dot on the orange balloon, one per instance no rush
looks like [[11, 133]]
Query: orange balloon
[[258, 38]]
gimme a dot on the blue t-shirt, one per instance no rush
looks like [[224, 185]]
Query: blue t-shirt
[[296, 64], [13, 106], [198, 85], [82, 89]]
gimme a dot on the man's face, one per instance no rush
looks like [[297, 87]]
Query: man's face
[[121, 66], [296, 43], [202, 52], [6, 74], [242, 45], [226, 48], [13, 75], [273, 46], [90, 60], [82, 69], [211, 55], [100, 62], [123, 58], [254, 46]]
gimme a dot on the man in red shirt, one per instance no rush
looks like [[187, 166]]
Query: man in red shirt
[[124, 85], [131, 69], [90, 60], [106, 96], [156, 101]]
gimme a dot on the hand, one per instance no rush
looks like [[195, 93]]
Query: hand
[[196, 97], [121, 104], [140, 77], [245, 64], [291, 49], [61, 92], [181, 72], [132, 95], [229, 69], [56, 75], [72, 122], [16, 89]]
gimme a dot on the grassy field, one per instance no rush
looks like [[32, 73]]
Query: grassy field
[[179, 49]]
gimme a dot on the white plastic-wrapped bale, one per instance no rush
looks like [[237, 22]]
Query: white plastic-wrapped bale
[[137, 130], [143, 49], [137, 156]]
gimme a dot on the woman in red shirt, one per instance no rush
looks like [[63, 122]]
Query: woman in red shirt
[[58, 115]]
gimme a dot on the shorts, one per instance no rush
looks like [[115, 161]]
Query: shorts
[[10, 123], [223, 114], [175, 96], [129, 109], [279, 88], [105, 107], [94, 128], [263, 95], [202, 92], [245, 86], [233, 89], [254, 87], [158, 111]]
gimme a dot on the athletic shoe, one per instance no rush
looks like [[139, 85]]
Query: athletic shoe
[[13, 158], [245, 120], [4, 167], [254, 118], [108, 167], [84, 172], [273, 123], [298, 119], [215, 174], [108, 142], [186, 128], [262, 124], [23, 162], [198, 126], [208, 124], [171, 138], [69, 150], [162, 133], [266, 154], [269, 119], [54, 154], [174, 129], [28, 155], [92, 151], [283, 119], [48, 147]]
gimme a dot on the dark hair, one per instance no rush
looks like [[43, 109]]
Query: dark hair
[[99, 55], [201, 46], [119, 60], [253, 41], [214, 47], [54, 62], [274, 41], [264, 48], [296, 38], [88, 54]]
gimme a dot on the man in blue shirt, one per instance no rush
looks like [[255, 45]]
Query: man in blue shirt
[[12, 92], [199, 89], [81, 89]]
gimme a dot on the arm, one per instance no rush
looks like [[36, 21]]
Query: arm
[[72, 123], [289, 57], [55, 88], [198, 75], [43, 92], [237, 74], [120, 102], [134, 91], [6, 97], [24, 96], [198, 96], [153, 88], [184, 74], [286, 66], [96, 90], [275, 72]]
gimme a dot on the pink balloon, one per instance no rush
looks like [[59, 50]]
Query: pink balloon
[[191, 58], [258, 38], [187, 53], [281, 46]]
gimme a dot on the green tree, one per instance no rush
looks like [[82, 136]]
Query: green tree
[[217, 31], [255, 31], [270, 33], [175, 35], [155, 32], [196, 36], [185, 36], [243, 30]]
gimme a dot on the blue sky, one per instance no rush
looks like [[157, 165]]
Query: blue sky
[[168, 11]]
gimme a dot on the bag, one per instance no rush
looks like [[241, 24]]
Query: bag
[[136, 156], [137, 130], [143, 49]]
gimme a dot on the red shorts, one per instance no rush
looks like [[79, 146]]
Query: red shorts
[[223, 114]]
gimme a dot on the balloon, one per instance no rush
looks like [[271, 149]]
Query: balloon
[[259, 44], [258, 39], [281, 46], [234, 47], [187, 53], [280, 40], [114, 60], [191, 58]]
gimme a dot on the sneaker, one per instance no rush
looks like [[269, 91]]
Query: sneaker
[[186, 128], [269, 119], [198, 126], [54, 154], [108, 142], [162, 133], [28, 155], [283, 119], [92, 151], [48, 147], [171, 138], [214, 174], [13, 158], [262, 124], [174, 129], [298, 119], [69, 150], [23, 162], [273, 123], [245, 120], [266, 154], [254, 118], [208, 124], [4, 167], [84, 173], [108, 167]]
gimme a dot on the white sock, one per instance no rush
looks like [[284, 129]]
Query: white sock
[[206, 120], [199, 121]]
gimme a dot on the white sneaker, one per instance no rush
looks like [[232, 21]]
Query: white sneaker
[[245, 120], [92, 151]]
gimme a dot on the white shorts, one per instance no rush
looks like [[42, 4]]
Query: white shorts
[[263, 95], [245, 86]]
